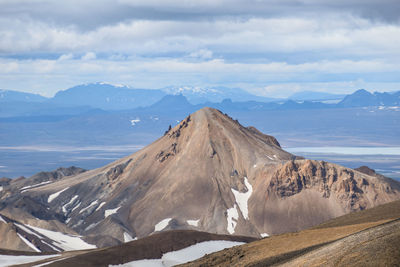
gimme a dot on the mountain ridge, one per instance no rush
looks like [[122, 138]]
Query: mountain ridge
[[207, 173]]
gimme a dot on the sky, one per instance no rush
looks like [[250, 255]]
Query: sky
[[268, 47]]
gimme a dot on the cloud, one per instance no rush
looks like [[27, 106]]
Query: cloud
[[66, 56], [251, 43], [202, 54], [89, 56], [338, 36], [273, 78], [88, 15]]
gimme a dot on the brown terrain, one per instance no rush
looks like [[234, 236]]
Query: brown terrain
[[367, 238], [208, 173]]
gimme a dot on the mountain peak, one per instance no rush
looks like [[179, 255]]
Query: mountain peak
[[207, 173], [217, 134], [362, 92]]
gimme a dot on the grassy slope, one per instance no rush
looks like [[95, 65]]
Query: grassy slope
[[377, 246], [285, 247]]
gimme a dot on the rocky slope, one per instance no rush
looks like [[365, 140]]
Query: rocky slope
[[208, 173]]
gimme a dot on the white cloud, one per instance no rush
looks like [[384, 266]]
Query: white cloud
[[89, 56], [9, 67], [66, 56], [338, 35], [227, 42], [202, 54]]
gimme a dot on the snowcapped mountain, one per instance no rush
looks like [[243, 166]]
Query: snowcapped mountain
[[198, 95]]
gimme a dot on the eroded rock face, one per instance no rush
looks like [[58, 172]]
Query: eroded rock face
[[350, 187], [114, 172]]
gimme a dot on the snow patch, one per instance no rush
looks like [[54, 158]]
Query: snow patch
[[193, 222], [8, 260], [110, 212], [28, 243], [65, 241], [197, 251], [269, 157], [64, 208], [93, 225], [128, 237], [114, 84], [232, 217], [181, 256], [101, 205], [264, 235], [135, 121], [162, 224], [94, 203], [55, 195], [2, 220], [24, 189], [77, 206], [243, 198], [1, 188], [255, 166]]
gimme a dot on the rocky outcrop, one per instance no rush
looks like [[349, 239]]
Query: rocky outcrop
[[366, 170], [353, 189]]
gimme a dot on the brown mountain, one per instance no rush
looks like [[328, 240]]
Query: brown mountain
[[208, 173]]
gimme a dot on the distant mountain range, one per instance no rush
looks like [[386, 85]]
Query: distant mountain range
[[363, 98], [106, 96], [91, 97], [316, 96]]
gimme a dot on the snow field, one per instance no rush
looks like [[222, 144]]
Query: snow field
[[184, 255]]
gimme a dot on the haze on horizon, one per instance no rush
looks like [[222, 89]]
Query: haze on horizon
[[270, 48]]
